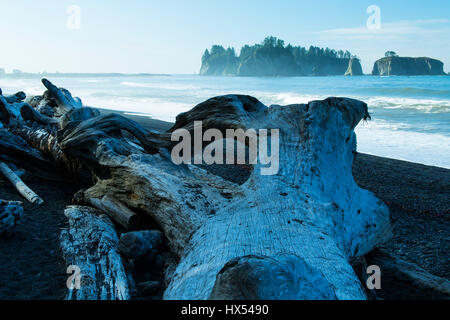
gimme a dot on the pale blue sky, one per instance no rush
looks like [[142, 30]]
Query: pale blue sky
[[170, 36]]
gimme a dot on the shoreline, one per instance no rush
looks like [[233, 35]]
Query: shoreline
[[28, 75]]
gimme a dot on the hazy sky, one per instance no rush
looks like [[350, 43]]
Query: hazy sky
[[170, 36]]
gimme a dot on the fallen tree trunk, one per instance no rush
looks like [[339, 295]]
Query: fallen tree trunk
[[21, 187], [90, 246], [286, 235], [115, 210]]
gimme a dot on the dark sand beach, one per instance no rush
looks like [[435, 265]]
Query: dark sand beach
[[31, 266], [418, 196]]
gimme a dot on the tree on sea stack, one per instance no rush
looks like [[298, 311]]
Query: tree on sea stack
[[292, 235], [390, 54]]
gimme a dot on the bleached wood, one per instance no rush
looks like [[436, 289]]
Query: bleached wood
[[21, 187], [63, 98], [11, 108], [90, 243], [115, 210]]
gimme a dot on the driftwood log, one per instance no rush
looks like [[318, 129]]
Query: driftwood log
[[20, 186], [291, 235], [116, 210], [90, 244]]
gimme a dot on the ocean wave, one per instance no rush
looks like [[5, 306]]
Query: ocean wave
[[407, 91], [287, 98], [166, 86], [154, 107], [422, 105], [93, 80], [388, 141]]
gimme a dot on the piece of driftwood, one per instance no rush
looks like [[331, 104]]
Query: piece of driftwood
[[10, 214], [89, 245], [5, 112], [401, 280], [17, 97], [63, 98], [21, 187], [115, 210], [10, 110], [29, 113], [308, 218]]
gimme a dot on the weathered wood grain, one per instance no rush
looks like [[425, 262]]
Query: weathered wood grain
[[90, 244]]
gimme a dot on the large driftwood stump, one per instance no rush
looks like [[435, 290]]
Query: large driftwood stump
[[310, 216], [291, 235]]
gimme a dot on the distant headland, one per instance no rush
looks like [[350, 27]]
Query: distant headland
[[272, 58]]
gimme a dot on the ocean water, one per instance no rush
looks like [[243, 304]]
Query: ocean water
[[410, 115]]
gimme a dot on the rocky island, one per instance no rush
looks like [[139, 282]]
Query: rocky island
[[354, 68], [393, 65], [272, 58]]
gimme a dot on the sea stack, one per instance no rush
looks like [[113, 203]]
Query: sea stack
[[354, 68], [406, 66], [272, 58]]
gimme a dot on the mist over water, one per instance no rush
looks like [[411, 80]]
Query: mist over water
[[410, 115]]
